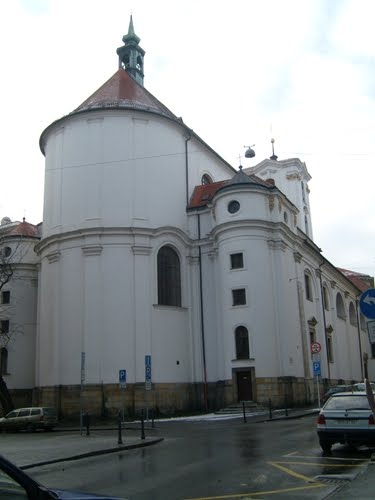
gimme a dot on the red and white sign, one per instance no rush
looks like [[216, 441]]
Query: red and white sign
[[315, 347]]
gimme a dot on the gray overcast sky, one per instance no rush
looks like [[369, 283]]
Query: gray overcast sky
[[239, 73]]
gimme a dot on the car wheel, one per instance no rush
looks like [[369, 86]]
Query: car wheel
[[30, 428], [326, 446]]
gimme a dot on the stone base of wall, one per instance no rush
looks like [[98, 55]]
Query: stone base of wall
[[173, 399]]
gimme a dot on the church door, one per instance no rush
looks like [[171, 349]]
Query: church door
[[244, 386]]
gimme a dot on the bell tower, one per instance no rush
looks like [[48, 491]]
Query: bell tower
[[131, 55]]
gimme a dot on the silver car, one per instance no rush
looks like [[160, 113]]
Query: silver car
[[346, 418], [29, 419]]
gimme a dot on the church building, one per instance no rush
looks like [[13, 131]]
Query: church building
[[163, 277]]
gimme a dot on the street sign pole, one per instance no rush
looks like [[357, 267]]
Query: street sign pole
[[315, 350], [83, 376], [122, 382]]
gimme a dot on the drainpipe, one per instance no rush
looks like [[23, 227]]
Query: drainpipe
[[324, 320], [359, 334], [187, 139], [202, 318]]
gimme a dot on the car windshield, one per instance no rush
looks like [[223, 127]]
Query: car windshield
[[348, 402]]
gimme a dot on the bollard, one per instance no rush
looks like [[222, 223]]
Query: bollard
[[119, 441], [270, 408], [87, 420], [244, 411], [152, 418], [286, 407], [142, 424]]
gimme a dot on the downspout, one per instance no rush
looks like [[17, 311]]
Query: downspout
[[205, 391], [359, 335], [324, 320], [187, 139]]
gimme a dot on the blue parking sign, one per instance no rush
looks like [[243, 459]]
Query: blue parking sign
[[122, 378], [316, 368]]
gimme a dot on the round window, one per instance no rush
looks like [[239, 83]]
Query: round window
[[233, 206]]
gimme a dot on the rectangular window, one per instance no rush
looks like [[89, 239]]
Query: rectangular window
[[5, 297], [373, 350], [308, 287], [4, 326], [239, 297], [236, 261]]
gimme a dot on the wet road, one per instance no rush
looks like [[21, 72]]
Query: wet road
[[216, 460]]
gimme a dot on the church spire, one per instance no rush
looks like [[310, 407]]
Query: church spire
[[131, 54]]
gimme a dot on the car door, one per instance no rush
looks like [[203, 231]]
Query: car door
[[10, 420], [23, 418]]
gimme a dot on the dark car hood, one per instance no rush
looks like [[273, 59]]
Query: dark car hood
[[78, 495]]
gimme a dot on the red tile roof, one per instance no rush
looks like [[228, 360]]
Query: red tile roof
[[204, 193], [362, 281], [24, 229], [122, 91]]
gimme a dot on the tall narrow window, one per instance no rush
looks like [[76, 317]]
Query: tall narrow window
[[4, 326], [325, 298], [352, 315], [242, 343], [3, 361], [5, 297], [308, 287], [169, 277], [340, 308]]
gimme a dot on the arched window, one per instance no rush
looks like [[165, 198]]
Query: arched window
[[169, 277], [206, 179], [352, 314], [340, 309], [242, 343], [3, 361]]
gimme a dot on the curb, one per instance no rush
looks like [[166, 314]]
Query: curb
[[92, 454]]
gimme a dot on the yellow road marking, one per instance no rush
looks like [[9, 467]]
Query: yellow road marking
[[291, 472], [318, 463], [278, 465], [260, 493]]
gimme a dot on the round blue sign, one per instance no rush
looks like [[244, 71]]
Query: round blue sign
[[367, 303]]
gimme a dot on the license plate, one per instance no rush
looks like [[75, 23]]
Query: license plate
[[349, 421]]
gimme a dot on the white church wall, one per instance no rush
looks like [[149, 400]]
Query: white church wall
[[203, 161]]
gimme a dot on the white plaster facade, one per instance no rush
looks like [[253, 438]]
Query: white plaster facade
[[123, 177]]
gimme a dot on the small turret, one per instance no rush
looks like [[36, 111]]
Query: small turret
[[131, 55]]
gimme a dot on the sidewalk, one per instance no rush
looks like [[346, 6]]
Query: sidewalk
[[29, 450]]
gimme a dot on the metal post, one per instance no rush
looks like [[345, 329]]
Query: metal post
[[152, 418], [119, 441], [270, 408], [286, 406], [244, 411], [87, 422], [142, 424]]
